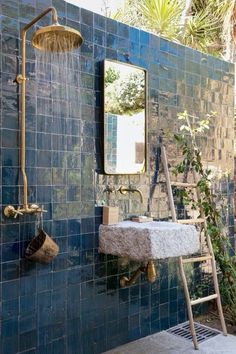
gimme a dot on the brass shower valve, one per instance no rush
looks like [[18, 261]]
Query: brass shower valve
[[11, 211]]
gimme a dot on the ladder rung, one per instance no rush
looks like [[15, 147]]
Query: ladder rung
[[183, 184], [196, 259], [203, 299], [191, 221]]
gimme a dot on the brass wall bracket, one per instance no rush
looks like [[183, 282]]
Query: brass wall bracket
[[20, 79], [11, 211], [149, 270]]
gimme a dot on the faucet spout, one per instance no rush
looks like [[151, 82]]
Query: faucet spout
[[124, 190]]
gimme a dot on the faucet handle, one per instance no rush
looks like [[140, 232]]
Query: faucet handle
[[17, 212], [110, 189], [11, 211]]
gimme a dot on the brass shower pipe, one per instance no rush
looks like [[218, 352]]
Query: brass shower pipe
[[11, 211]]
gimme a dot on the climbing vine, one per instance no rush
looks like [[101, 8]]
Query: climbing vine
[[210, 203]]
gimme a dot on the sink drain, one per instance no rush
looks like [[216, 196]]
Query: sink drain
[[202, 332]]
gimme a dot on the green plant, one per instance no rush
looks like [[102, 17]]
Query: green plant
[[125, 95], [111, 75], [209, 202], [207, 25]]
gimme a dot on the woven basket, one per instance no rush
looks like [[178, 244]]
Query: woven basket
[[42, 248]]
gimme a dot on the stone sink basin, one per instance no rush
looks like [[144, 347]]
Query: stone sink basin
[[148, 241]]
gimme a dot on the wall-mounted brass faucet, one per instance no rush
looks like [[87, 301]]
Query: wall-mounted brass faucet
[[124, 190], [11, 211], [149, 269]]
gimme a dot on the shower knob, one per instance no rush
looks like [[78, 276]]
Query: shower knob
[[10, 211]]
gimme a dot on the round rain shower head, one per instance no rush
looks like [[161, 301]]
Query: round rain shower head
[[56, 38]]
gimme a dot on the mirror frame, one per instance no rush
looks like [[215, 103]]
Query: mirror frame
[[145, 115]]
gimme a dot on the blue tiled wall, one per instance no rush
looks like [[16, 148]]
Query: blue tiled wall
[[75, 305]]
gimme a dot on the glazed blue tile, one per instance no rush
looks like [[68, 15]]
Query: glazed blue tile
[[10, 44], [164, 323], [9, 344], [10, 11], [10, 327], [59, 228], [60, 6], [27, 323], [60, 262], [87, 225], [87, 241], [9, 195], [87, 273], [133, 34], [10, 308], [62, 243], [44, 194], [28, 304], [86, 257], [10, 233], [86, 17], [164, 296], [10, 175], [73, 12], [112, 26], [123, 30], [111, 54], [44, 158], [43, 141], [10, 270], [44, 282], [60, 279], [99, 22], [87, 32], [74, 227], [9, 138], [30, 157], [111, 41], [10, 26], [58, 159], [28, 340], [144, 37]]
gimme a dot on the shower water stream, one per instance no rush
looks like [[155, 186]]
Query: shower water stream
[[58, 111]]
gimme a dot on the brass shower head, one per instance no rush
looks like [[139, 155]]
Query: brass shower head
[[56, 38]]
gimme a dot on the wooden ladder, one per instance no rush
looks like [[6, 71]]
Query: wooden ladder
[[210, 256]]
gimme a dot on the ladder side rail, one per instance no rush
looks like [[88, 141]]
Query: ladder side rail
[[168, 184], [213, 262], [188, 303]]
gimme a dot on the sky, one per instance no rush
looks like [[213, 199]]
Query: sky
[[97, 5]]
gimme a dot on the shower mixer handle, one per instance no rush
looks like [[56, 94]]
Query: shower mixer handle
[[17, 212], [10, 211]]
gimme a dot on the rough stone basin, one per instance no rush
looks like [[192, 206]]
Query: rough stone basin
[[148, 241]]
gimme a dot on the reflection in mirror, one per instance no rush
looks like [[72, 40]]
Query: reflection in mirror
[[124, 118]]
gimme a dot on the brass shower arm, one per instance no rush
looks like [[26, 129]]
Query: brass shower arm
[[21, 77], [45, 12]]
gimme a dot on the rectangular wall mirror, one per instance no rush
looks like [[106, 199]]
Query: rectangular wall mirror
[[124, 118]]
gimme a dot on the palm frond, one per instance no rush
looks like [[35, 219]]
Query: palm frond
[[162, 16], [201, 30]]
